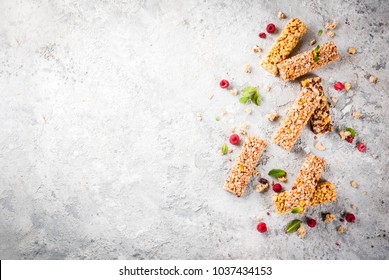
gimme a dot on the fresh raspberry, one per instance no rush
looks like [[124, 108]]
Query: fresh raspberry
[[261, 227], [361, 147], [263, 181], [342, 220], [234, 139], [350, 218], [262, 35], [277, 188], [311, 223], [349, 139], [338, 86], [270, 28], [224, 84]]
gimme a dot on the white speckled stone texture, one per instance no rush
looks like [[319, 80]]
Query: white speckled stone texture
[[102, 155]]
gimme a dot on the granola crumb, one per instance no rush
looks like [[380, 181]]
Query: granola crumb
[[282, 179], [373, 79], [356, 115], [232, 130], [248, 111], [234, 91], [266, 88], [329, 218], [259, 218], [247, 68], [319, 146], [354, 207], [242, 131], [352, 50], [330, 25], [330, 34], [340, 229], [230, 150], [223, 112], [301, 231], [245, 125], [334, 99], [344, 134], [273, 116], [281, 15], [354, 184], [365, 192], [210, 96], [347, 86], [257, 49], [199, 117], [262, 187], [312, 42]]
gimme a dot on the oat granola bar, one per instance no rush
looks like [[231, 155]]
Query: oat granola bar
[[284, 45], [298, 116], [303, 63], [244, 165]]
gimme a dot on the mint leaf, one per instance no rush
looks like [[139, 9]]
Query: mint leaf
[[315, 54], [224, 149], [256, 99], [297, 210], [244, 99], [276, 173], [249, 91], [320, 32], [352, 131], [217, 118], [293, 226]]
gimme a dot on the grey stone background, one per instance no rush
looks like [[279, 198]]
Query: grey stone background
[[102, 155]]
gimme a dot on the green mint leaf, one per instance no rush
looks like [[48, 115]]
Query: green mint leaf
[[244, 99], [315, 54], [276, 173], [293, 226], [224, 149], [352, 131], [256, 99], [249, 91], [317, 48], [320, 32], [217, 118], [297, 210]]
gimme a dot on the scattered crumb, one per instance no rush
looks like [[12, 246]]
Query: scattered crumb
[[319, 146], [248, 111], [344, 134], [352, 50], [247, 68], [354, 184], [281, 15], [255, 173], [301, 231], [266, 88], [312, 42], [374, 156], [340, 229], [242, 131], [234, 91], [347, 86], [329, 218], [210, 96], [334, 99], [257, 49], [373, 79], [245, 125], [272, 117], [199, 117], [262, 187], [330, 25], [330, 34], [282, 179], [356, 115], [232, 130], [223, 112], [354, 207], [230, 150], [259, 218], [365, 192]]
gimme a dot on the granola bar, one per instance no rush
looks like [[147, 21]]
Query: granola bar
[[284, 45], [298, 116], [303, 63], [244, 165]]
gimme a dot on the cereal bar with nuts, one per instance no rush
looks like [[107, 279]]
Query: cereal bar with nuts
[[308, 61], [244, 166], [298, 116], [284, 45]]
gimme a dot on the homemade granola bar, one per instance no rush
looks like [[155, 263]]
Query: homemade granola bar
[[244, 165], [303, 63], [304, 186], [324, 192], [284, 45], [298, 116]]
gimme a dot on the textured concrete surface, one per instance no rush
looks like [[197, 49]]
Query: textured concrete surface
[[102, 155]]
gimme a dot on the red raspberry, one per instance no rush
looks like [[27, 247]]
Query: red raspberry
[[349, 139], [234, 139], [361, 147], [262, 35], [338, 86], [350, 218], [261, 227], [270, 28], [277, 188], [224, 84], [311, 223]]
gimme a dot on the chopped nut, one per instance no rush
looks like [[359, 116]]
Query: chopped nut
[[319, 146], [373, 79], [301, 231], [248, 110], [330, 25], [242, 131], [272, 117], [262, 187], [234, 91], [340, 229], [245, 125], [257, 49], [356, 115], [330, 34], [347, 86], [312, 42], [266, 88], [281, 15], [354, 184], [282, 179], [247, 68], [199, 117], [329, 218], [334, 99], [352, 50], [230, 150], [354, 207], [365, 192], [223, 112], [210, 96], [344, 134]]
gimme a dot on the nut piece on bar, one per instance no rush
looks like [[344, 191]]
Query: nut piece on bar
[[244, 165], [304, 186], [303, 63], [298, 116], [284, 45], [321, 119], [324, 192]]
